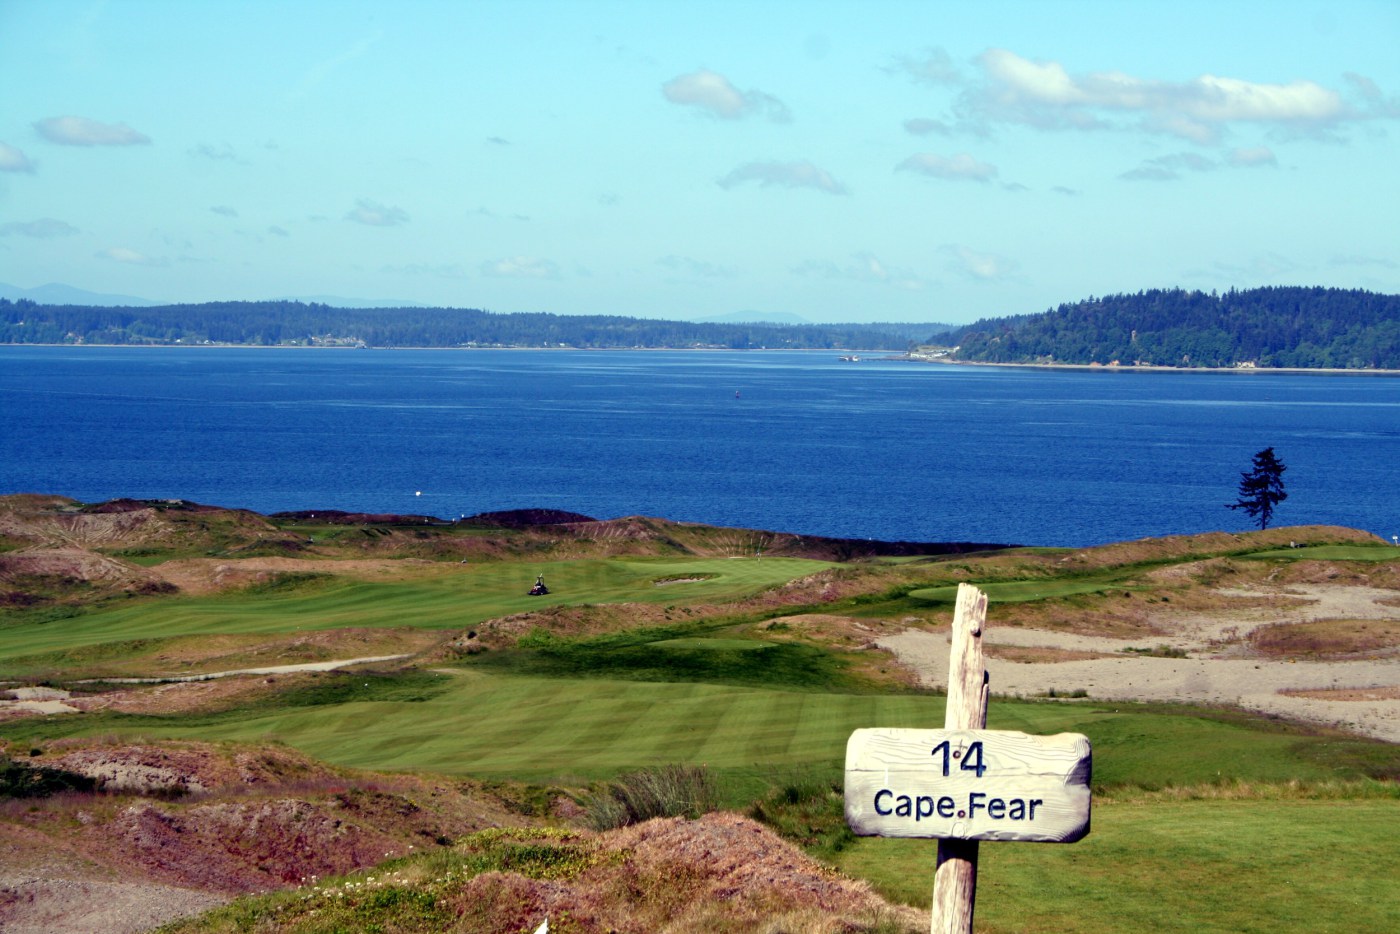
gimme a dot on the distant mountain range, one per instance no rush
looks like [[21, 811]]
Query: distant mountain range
[[58, 294]]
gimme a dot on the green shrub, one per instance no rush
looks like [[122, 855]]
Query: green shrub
[[39, 781]]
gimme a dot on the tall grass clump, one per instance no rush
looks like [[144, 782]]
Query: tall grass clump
[[664, 791]]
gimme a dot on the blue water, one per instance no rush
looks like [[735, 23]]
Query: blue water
[[797, 442]]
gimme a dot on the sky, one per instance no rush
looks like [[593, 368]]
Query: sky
[[838, 161]]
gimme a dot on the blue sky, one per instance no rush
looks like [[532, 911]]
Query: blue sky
[[839, 161]]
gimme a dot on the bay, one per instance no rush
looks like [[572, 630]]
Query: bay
[[792, 441]]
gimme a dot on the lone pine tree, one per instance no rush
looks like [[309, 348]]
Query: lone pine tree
[[1261, 489]]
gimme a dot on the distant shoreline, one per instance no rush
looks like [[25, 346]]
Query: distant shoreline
[[1157, 368], [889, 355]]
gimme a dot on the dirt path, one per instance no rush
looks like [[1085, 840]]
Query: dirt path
[[1337, 696]]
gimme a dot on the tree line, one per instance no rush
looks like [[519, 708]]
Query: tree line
[[1265, 327], [292, 323]]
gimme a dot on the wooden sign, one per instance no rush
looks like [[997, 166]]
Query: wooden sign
[[968, 785]]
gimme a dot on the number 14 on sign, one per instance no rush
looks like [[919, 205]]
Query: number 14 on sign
[[972, 762]]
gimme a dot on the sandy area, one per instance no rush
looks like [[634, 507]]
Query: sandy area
[[1337, 693], [44, 700], [31, 903]]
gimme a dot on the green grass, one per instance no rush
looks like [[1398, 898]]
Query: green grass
[[1198, 866], [713, 645], [679, 652], [557, 729], [1331, 553], [461, 597], [1017, 591]]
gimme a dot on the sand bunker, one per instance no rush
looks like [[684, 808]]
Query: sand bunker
[[1354, 694]]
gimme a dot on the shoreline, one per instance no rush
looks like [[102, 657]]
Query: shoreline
[[889, 356], [1155, 368]]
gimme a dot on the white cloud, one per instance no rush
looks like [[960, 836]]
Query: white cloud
[[784, 174], [961, 167], [278, 231], [44, 228], [983, 267], [225, 210], [521, 267], [701, 269], [1253, 156], [1150, 172], [14, 160], [80, 131], [924, 126], [439, 271], [1169, 168], [223, 153], [933, 66], [713, 93], [863, 267], [374, 214], [1045, 94], [317, 74], [121, 254]]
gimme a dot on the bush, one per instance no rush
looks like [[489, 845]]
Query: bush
[[39, 781], [666, 791]]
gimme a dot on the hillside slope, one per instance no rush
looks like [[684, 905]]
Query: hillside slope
[[1268, 327]]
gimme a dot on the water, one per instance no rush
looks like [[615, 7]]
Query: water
[[798, 442]]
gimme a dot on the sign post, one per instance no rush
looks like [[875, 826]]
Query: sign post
[[965, 783]]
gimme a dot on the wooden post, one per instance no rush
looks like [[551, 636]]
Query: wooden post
[[955, 880]]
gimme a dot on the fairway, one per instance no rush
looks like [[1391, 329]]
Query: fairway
[[453, 597], [1014, 591], [469, 722]]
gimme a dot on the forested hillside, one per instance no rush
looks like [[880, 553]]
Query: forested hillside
[[1268, 327], [281, 323]]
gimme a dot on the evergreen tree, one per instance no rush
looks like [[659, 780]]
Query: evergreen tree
[[1261, 489]]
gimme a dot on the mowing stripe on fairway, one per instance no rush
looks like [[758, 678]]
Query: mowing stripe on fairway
[[543, 728]]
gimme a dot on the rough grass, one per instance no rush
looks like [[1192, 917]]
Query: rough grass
[[719, 875], [666, 791], [1326, 638]]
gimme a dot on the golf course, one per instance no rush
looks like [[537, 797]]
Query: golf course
[[742, 660]]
